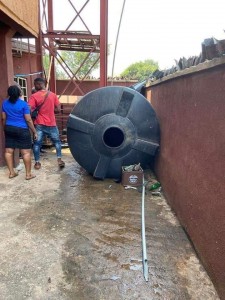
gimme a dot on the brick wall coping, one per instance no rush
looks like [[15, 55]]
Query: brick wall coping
[[209, 64]]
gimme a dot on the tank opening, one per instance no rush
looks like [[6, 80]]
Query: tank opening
[[113, 137]]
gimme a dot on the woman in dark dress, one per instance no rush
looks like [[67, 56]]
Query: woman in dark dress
[[18, 125]]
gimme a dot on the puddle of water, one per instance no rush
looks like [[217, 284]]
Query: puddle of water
[[134, 267]]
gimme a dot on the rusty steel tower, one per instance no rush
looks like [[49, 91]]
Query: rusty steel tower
[[70, 39]]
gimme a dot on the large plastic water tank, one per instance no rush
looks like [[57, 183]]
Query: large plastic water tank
[[112, 127]]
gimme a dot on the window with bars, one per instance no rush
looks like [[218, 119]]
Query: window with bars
[[23, 84]]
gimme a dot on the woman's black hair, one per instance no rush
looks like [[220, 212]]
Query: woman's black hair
[[14, 92]]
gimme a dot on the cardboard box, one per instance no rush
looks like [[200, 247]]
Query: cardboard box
[[132, 178]]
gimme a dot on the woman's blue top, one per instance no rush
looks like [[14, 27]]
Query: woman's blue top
[[15, 113]]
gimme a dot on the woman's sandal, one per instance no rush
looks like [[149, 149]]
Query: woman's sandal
[[30, 177], [14, 175]]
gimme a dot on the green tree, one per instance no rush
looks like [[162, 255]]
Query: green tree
[[74, 60], [140, 70], [46, 62]]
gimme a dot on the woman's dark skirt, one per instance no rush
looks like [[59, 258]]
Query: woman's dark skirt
[[17, 138]]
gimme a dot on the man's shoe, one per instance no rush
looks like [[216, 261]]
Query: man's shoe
[[37, 165], [61, 164], [43, 151]]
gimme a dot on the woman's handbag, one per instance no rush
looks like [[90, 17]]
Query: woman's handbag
[[35, 112]]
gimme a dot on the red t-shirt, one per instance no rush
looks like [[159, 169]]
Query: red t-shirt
[[46, 115]]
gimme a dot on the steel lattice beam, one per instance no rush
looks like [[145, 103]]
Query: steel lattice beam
[[80, 41]]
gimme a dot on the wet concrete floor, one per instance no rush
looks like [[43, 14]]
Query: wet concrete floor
[[65, 235]]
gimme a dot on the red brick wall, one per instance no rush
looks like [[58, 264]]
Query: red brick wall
[[26, 64], [86, 86], [191, 163]]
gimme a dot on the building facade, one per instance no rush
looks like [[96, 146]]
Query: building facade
[[19, 19]]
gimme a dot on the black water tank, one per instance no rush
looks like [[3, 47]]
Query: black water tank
[[112, 127]]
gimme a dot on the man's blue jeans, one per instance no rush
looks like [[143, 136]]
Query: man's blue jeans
[[53, 133]]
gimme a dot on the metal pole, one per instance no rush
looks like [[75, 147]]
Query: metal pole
[[52, 78], [144, 250], [103, 42]]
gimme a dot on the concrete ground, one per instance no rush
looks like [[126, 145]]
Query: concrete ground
[[65, 235]]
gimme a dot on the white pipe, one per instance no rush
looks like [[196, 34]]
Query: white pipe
[[144, 249]]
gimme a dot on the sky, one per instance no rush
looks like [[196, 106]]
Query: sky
[[162, 30]]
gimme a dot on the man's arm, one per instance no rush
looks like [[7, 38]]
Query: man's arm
[[58, 109], [57, 105], [32, 103]]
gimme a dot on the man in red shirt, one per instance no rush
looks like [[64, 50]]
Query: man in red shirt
[[45, 123]]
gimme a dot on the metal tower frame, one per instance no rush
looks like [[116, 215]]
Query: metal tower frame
[[80, 41]]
